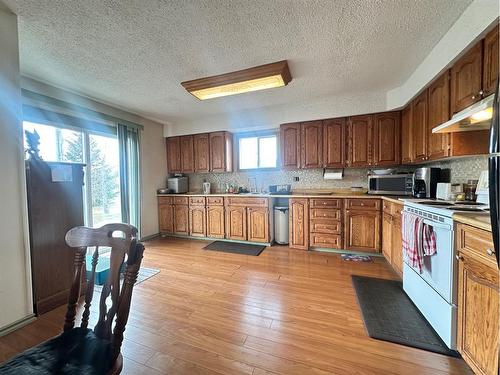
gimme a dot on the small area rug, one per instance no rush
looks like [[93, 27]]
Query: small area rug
[[235, 247], [143, 275]]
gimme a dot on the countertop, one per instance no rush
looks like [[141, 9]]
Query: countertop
[[478, 220]]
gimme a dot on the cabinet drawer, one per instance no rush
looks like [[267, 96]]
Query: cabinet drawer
[[246, 201], [326, 203], [215, 201], [196, 201], [181, 200], [326, 240], [476, 243], [164, 200], [325, 213], [363, 204], [327, 226]]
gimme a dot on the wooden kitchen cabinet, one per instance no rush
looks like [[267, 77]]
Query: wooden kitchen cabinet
[[466, 79], [201, 153], [386, 138], [236, 223], [397, 240], [359, 141], [311, 144], [438, 145], [299, 223], [419, 127], [334, 143], [173, 155], [220, 146], [290, 146], [406, 135], [165, 215], [258, 224], [215, 221], [490, 62], [362, 230], [187, 154], [181, 219], [387, 236], [197, 221], [478, 300]]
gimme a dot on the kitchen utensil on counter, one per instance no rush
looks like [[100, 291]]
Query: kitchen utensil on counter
[[470, 190], [206, 187], [280, 189], [443, 191]]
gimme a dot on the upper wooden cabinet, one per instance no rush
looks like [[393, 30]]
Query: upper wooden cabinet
[[290, 145], [466, 77], [311, 144], [490, 62], [419, 127], [221, 144], [406, 134], [438, 113], [174, 155], [187, 154], [201, 153], [334, 143], [386, 138], [359, 141]]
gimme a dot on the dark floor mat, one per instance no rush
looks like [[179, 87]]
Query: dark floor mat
[[235, 247], [390, 315]]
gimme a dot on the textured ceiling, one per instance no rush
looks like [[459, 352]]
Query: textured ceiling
[[134, 54]]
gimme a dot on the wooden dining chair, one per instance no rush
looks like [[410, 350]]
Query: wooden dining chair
[[80, 350]]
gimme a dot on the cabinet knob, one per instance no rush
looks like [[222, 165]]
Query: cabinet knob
[[481, 92], [473, 97], [489, 252], [459, 257]]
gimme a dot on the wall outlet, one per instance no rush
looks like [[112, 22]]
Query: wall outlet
[[296, 178]]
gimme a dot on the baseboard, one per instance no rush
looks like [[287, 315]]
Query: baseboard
[[17, 324], [149, 237], [352, 252], [215, 239]]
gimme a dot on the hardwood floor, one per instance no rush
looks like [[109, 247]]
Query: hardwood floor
[[284, 312]]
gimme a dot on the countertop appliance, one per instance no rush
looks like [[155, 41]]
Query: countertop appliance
[[434, 291], [443, 191], [280, 189], [206, 187], [425, 182], [391, 184], [177, 185]]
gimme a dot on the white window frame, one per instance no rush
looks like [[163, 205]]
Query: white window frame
[[259, 135]]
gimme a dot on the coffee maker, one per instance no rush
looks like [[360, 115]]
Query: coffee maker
[[425, 182]]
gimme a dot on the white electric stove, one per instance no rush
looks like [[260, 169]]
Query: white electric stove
[[434, 289]]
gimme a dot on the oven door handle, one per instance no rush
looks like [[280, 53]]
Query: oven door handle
[[436, 225]]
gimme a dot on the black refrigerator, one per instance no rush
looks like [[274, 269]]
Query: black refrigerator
[[494, 174]]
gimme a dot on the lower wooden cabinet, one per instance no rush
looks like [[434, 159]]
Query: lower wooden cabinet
[[181, 219], [387, 236], [215, 222], [197, 221], [397, 243], [258, 224], [478, 300], [362, 230], [298, 227], [236, 223], [165, 215]]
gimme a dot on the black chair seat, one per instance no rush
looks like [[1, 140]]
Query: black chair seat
[[77, 351]]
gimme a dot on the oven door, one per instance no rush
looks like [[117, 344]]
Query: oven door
[[439, 270]]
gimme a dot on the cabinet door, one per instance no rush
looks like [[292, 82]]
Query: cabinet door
[[290, 146], [387, 236], [439, 112], [333, 143], [362, 230], [258, 224], [181, 219], [490, 62], [220, 152], [478, 311], [201, 153], [386, 138], [166, 218], [397, 243], [236, 223], [187, 154], [173, 154], [299, 223], [311, 144], [466, 77], [215, 221], [406, 134], [359, 143], [197, 221], [419, 127]]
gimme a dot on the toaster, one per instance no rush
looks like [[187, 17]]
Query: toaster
[[443, 191]]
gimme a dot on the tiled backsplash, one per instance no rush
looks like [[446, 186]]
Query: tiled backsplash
[[461, 170]]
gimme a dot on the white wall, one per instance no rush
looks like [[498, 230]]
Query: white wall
[[153, 154], [15, 284]]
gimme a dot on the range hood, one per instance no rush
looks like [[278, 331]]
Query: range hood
[[476, 117]]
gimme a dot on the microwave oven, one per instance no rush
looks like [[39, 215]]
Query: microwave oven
[[391, 184], [177, 185]]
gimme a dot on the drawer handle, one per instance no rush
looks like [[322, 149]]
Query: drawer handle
[[489, 252]]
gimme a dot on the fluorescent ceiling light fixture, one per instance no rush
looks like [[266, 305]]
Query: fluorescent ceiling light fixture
[[253, 79]]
